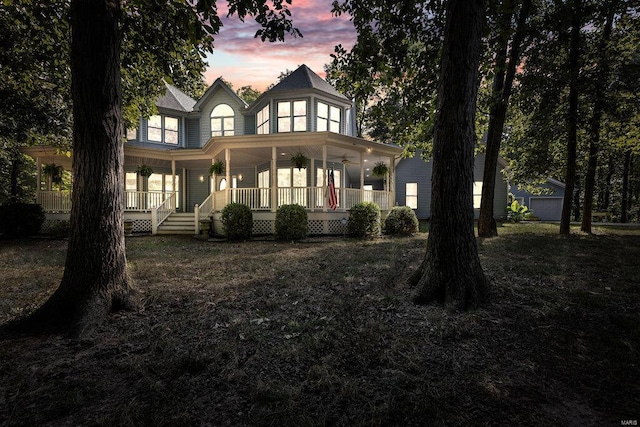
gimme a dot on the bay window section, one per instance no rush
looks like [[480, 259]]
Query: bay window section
[[328, 118], [162, 129], [292, 116], [154, 128]]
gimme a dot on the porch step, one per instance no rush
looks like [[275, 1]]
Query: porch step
[[178, 223]]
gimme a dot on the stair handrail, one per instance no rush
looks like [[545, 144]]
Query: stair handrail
[[162, 212], [203, 209]]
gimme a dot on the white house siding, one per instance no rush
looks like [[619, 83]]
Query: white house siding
[[219, 97]]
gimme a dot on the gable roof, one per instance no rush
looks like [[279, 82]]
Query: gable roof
[[304, 78], [175, 99], [218, 84]]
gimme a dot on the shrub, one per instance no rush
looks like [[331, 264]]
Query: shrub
[[517, 212], [291, 222], [237, 221], [364, 220], [21, 219], [401, 220]]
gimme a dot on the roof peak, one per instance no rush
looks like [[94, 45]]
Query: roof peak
[[304, 78]]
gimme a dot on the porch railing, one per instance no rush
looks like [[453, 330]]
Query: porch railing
[[312, 198], [54, 201], [141, 201], [162, 212]]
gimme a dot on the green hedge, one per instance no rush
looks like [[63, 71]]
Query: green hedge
[[401, 220], [237, 221], [291, 222], [364, 220], [21, 219]]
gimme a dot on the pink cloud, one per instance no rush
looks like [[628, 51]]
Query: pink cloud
[[244, 60]]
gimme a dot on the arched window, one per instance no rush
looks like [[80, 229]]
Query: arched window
[[222, 120]]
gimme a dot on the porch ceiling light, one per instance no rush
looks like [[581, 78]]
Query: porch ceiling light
[[369, 150]]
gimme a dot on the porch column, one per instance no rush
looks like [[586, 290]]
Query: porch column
[[274, 179], [173, 182], [392, 183], [38, 174], [324, 177], [362, 177], [227, 157], [313, 195]]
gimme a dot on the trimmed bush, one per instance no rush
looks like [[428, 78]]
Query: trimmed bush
[[401, 220], [291, 222], [237, 221], [21, 219], [364, 220]]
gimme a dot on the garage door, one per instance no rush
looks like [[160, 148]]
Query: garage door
[[546, 208]]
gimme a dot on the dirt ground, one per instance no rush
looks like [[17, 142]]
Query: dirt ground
[[323, 332]]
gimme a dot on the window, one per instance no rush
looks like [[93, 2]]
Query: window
[[477, 194], [162, 129], [131, 134], [262, 121], [411, 195], [155, 128], [170, 130], [130, 187], [292, 116], [328, 118], [264, 184], [368, 193], [222, 120]]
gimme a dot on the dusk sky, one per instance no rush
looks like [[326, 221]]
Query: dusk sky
[[241, 59]]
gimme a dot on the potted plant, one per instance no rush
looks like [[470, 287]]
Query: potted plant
[[217, 168], [380, 169], [144, 171], [299, 160], [54, 174]]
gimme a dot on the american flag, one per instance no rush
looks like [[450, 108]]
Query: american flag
[[333, 199]]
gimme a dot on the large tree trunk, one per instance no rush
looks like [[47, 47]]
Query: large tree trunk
[[572, 118], [451, 272], [501, 92], [96, 279], [596, 119]]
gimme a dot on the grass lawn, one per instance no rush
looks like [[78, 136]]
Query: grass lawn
[[323, 332]]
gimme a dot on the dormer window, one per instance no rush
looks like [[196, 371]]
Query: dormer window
[[328, 118], [162, 129], [222, 120], [262, 121], [292, 116]]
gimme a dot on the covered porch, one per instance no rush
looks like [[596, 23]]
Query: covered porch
[[258, 172]]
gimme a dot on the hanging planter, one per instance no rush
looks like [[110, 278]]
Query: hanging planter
[[144, 171], [54, 172], [217, 168], [380, 169], [299, 160]]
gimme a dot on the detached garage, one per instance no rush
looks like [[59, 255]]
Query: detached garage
[[546, 204], [546, 208]]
